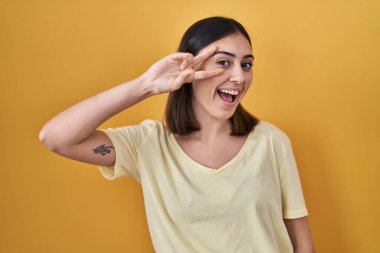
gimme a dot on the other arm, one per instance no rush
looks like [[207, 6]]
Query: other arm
[[300, 235]]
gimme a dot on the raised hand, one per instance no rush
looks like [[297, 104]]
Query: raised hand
[[172, 71]]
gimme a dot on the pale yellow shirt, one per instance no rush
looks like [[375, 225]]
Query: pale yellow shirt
[[192, 208]]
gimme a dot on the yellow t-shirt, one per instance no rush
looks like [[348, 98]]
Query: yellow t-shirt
[[191, 208]]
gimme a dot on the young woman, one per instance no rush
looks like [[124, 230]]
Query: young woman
[[214, 178]]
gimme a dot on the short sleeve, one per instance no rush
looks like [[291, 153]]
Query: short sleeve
[[293, 202], [126, 140]]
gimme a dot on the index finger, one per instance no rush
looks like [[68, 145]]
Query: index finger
[[204, 56]]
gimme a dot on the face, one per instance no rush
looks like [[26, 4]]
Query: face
[[219, 96]]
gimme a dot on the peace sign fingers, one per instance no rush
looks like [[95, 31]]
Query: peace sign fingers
[[204, 74], [204, 55], [192, 61]]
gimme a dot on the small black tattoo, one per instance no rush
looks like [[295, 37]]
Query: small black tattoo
[[102, 149]]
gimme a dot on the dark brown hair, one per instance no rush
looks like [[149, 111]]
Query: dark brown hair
[[180, 117]]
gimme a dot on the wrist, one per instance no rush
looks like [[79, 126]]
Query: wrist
[[146, 87]]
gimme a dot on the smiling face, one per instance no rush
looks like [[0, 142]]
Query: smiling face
[[219, 96]]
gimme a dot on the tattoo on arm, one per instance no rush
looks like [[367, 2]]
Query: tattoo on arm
[[102, 149]]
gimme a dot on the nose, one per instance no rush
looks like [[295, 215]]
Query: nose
[[237, 75]]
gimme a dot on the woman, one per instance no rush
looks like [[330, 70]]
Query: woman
[[214, 178]]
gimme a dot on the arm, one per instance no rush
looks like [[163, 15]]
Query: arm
[[300, 235], [73, 134]]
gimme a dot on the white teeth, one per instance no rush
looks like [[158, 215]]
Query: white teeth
[[231, 92]]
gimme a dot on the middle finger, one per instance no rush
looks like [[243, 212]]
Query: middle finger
[[204, 56]]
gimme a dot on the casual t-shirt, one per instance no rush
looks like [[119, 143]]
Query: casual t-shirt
[[238, 207]]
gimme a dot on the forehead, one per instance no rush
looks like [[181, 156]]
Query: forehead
[[235, 43]]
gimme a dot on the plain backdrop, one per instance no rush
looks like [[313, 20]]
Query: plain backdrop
[[315, 76]]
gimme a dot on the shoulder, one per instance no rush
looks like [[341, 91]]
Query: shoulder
[[274, 139], [153, 131], [271, 134], [145, 125], [268, 129], [153, 126], [141, 130]]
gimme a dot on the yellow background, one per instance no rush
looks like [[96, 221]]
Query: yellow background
[[316, 77]]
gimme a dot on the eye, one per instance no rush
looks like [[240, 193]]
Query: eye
[[247, 65], [224, 63]]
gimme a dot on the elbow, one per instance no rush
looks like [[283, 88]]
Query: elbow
[[55, 139], [47, 139], [44, 138]]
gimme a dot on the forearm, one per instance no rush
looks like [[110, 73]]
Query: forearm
[[75, 124], [306, 249], [300, 235], [304, 243]]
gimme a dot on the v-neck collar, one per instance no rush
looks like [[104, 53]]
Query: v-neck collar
[[178, 149]]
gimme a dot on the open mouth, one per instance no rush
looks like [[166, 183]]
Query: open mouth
[[228, 96]]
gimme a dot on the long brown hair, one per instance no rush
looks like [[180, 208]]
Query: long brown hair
[[179, 114]]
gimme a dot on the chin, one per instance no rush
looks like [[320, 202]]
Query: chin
[[224, 114]]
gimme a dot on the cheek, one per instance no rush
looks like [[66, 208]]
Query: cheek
[[246, 88], [249, 79], [209, 84], [220, 79], [200, 88], [214, 82]]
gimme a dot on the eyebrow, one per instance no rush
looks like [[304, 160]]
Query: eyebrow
[[233, 55]]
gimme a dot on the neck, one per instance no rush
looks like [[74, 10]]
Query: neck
[[213, 130]]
